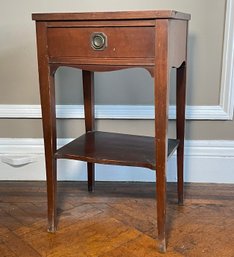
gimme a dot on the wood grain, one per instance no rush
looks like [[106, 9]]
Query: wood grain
[[117, 220], [88, 92], [123, 15], [114, 148], [76, 42], [157, 47]]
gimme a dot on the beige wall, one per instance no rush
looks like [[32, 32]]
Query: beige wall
[[19, 79], [197, 130]]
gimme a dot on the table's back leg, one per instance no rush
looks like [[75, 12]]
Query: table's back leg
[[180, 127], [88, 90]]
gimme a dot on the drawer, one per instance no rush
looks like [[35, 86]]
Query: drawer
[[122, 42]]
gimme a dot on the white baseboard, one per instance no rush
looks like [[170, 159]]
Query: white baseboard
[[205, 161], [212, 112]]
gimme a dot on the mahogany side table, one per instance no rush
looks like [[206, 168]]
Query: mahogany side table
[[107, 41]]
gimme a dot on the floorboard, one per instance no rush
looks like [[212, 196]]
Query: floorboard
[[117, 220]]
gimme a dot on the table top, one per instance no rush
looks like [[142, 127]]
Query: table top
[[120, 15]]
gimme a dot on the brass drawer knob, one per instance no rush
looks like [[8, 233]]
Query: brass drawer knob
[[98, 41]]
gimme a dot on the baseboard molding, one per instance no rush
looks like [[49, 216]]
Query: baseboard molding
[[212, 112], [205, 161]]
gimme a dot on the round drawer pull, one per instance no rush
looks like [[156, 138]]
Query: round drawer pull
[[98, 41]]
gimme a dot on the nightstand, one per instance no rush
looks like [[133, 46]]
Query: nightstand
[[108, 41]]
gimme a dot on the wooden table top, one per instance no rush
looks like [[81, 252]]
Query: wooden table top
[[120, 15]]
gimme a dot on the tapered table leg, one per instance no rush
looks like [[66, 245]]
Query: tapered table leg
[[49, 121], [88, 90], [162, 79], [47, 93], [180, 127]]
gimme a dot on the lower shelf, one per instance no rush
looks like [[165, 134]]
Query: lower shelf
[[114, 148]]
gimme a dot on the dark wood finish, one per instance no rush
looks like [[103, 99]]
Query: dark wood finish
[[88, 89], [101, 23], [99, 64], [114, 148], [116, 221], [178, 47], [161, 85], [154, 40], [123, 15], [180, 126], [47, 92], [75, 42]]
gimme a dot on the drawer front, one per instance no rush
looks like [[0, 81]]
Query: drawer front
[[122, 42]]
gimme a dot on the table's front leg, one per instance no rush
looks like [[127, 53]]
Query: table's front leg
[[161, 80], [47, 93], [161, 146], [49, 128]]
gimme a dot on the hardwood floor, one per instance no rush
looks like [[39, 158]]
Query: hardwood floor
[[118, 219]]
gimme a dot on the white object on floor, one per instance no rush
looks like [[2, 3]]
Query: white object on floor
[[18, 160]]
